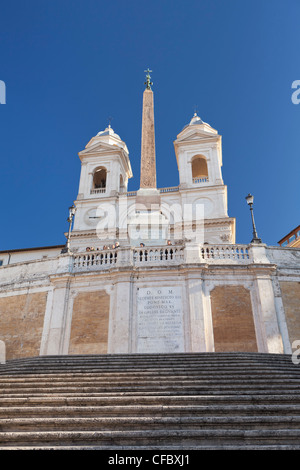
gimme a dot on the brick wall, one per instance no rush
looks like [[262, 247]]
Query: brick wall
[[89, 329], [290, 292], [21, 324], [232, 317]]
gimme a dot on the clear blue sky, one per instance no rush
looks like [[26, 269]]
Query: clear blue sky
[[70, 64]]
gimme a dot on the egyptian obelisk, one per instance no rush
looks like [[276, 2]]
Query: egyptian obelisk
[[148, 193], [148, 226]]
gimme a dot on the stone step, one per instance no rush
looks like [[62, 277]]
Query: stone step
[[144, 423], [158, 371], [151, 376], [154, 448], [101, 379], [150, 410], [153, 372], [159, 359], [160, 438], [207, 359], [218, 390], [186, 356], [94, 385], [205, 400]]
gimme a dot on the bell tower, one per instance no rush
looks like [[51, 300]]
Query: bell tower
[[105, 170], [198, 150], [199, 155]]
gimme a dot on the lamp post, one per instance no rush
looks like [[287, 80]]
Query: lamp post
[[250, 200], [72, 211]]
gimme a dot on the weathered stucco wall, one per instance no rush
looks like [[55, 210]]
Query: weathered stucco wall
[[21, 323], [63, 306], [232, 317], [90, 319], [290, 292]]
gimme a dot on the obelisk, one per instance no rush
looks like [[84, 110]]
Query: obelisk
[[148, 193], [148, 164], [148, 226]]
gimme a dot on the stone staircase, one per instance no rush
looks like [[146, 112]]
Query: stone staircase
[[150, 401]]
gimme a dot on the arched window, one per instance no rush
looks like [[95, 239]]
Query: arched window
[[199, 169], [99, 180]]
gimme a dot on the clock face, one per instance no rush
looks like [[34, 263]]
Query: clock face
[[93, 216]]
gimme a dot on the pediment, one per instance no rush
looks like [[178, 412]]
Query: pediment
[[201, 132], [197, 136], [100, 147]]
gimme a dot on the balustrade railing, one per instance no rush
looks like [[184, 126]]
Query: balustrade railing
[[94, 259], [171, 189], [160, 255], [201, 179], [98, 191], [225, 252]]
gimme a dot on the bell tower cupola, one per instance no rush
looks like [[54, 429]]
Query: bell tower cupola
[[105, 166], [198, 149], [199, 154], [105, 171]]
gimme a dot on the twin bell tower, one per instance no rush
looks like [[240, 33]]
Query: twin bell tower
[[108, 214]]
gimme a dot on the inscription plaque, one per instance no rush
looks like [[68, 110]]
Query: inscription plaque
[[160, 320]]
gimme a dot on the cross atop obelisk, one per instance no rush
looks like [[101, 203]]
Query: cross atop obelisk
[[148, 79], [148, 164]]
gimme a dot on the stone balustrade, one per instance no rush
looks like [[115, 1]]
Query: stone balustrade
[[171, 189], [98, 191], [95, 259], [225, 253], [160, 256], [201, 179]]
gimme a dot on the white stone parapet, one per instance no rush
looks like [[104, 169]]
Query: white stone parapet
[[226, 253], [98, 191], [161, 256], [201, 179], [158, 255], [95, 259], [170, 189]]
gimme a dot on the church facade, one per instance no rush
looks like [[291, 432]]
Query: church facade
[[153, 270]]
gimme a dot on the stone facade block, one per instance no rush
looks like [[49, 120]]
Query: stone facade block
[[233, 324], [21, 323], [90, 319], [291, 303]]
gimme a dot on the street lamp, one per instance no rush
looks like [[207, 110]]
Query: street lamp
[[250, 200], [72, 211]]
